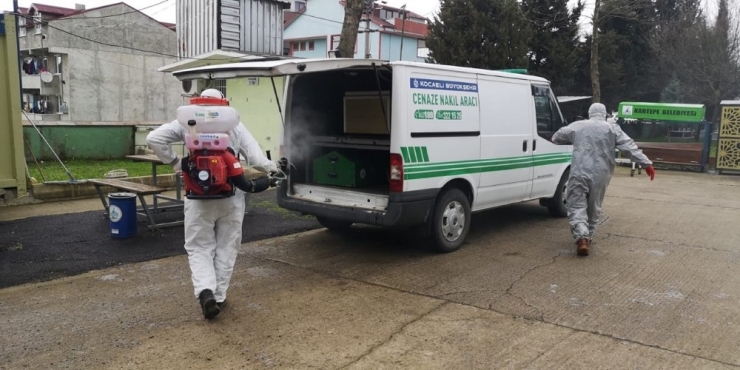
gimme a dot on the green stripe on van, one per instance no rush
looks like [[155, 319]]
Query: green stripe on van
[[419, 156], [405, 153], [432, 170], [415, 154], [485, 161], [412, 154]]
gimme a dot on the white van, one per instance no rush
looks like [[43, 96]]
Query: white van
[[403, 144]]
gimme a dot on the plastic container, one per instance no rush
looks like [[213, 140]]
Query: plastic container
[[342, 169], [208, 118], [122, 215]]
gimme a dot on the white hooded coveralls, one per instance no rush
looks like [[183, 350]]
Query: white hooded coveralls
[[213, 227], [594, 142]]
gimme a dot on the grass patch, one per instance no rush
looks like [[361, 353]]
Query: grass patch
[[92, 169]]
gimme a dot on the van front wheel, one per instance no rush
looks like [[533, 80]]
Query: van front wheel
[[334, 224], [451, 221], [557, 204]]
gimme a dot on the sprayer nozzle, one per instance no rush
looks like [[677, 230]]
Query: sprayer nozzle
[[191, 122]]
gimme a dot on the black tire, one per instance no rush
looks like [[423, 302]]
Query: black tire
[[450, 221], [333, 224], [556, 205]]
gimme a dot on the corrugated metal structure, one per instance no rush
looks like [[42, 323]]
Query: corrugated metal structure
[[250, 26]]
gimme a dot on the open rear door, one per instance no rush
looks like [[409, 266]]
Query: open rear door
[[273, 68]]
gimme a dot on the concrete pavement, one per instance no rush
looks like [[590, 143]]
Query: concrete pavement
[[658, 292]]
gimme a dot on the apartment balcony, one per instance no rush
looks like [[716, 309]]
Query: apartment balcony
[[33, 82], [36, 117]]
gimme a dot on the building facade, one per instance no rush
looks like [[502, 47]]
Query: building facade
[[96, 66], [313, 28], [228, 31], [229, 25]]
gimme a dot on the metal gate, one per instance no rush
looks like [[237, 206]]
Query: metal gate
[[728, 148]]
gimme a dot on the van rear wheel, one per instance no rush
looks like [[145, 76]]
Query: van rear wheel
[[334, 224], [450, 221]]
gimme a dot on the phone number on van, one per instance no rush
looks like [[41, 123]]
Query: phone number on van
[[445, 115]]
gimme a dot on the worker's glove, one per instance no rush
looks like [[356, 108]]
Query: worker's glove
[[260, 184], [650, 171], [283, 164]]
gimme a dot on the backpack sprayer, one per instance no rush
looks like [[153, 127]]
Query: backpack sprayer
[[211, 169]]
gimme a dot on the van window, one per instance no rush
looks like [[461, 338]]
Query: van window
[[547, 111]]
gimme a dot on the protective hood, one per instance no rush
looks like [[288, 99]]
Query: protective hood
[[597, 111]]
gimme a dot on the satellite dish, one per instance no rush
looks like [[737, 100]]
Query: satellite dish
[[46, 76]]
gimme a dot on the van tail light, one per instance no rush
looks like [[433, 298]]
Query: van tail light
[[396, 173]]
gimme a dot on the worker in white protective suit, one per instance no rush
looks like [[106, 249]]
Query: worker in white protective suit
[[594, 143], [213, 227]]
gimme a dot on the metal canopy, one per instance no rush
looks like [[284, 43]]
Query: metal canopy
[[216, 57], [566, 99], [274, 68]]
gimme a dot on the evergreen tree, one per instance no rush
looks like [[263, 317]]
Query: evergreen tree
[[486, 34], [673, 92], [555, 48], [704, 55], [626, 59]]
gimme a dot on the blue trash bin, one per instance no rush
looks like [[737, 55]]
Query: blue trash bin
[[122, 215]]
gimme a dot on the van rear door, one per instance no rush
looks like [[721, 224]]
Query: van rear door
[[273, 68]]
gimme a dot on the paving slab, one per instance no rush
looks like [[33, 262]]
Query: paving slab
[[463, 337], [658, 292], [145, 316], [281, 316], [661, 271]]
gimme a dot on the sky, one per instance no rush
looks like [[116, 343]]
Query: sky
[[165, 12]]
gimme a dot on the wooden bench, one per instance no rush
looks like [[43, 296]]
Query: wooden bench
[[141, 190]]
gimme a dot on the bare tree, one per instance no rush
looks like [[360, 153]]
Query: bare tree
[[595, 79], [626, 9], [704, 56], [352, 15]]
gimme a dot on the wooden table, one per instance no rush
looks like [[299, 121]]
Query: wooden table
[[155, 161], [140, 190]]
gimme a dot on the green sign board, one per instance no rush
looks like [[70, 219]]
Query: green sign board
[[662, 112]]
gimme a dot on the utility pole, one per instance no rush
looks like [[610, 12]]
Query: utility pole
[[403, 29], [18, 47], [368, 14]]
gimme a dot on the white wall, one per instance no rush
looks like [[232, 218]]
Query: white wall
[[109, 86]]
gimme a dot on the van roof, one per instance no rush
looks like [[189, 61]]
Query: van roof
[[267, 68], [443, 67]]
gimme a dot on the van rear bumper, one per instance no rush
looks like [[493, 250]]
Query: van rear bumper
[[404, 209]]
